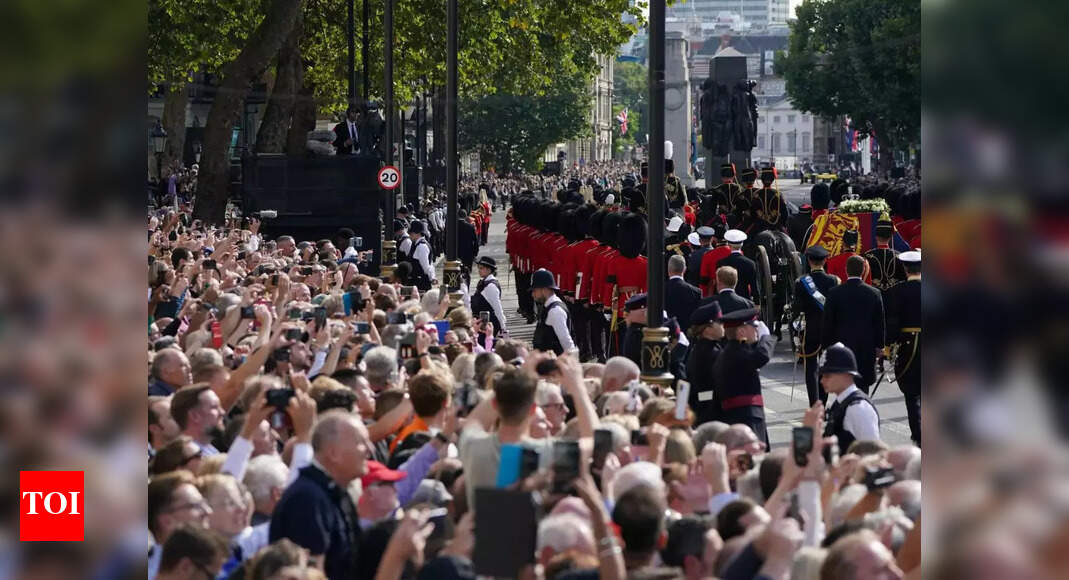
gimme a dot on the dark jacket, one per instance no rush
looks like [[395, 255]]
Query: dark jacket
[[680, 300], [341, 135], [315, 513], [814, 313], [467, 242], [729, 300], [694, 265], [853, 315], [747, 269], [736, 376], [700, 363]]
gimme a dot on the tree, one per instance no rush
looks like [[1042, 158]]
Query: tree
[[629, 90], [859, 58], [214, 177]]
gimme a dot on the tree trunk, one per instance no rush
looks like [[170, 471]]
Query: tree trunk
[[174, 122], [280, 106], [214, 178], [304, 120], [438, 112]]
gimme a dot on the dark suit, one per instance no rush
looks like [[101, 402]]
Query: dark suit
[[729, 301], [813, 333], [702, 399], [903, 327], [747, 269], [341, 135], [680, 300], [467, 243], [694, 265], [853, 315]]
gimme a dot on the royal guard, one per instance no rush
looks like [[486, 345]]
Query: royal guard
[[602, 287], [575, 260], [587, 290], [711, 261], [836, 265], [883, 259], [675, 240], [767, 205], [626, 272]]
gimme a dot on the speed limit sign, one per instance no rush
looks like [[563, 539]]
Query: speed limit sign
[[389, 177]]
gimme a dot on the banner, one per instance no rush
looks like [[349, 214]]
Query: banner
[[828, 231]]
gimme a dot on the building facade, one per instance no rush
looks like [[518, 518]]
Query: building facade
[[597, 146], [756, 12]]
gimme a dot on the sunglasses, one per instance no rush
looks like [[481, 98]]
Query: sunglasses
[[197, 455]]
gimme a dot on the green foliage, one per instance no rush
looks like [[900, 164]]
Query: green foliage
[[859, 58], [512, 130]]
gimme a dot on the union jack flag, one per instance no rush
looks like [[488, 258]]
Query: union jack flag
[[621, 118]]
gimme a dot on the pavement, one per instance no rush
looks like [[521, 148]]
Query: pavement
[[784, 406]]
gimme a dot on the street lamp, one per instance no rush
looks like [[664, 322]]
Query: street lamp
[[196, 151], [158, 140]]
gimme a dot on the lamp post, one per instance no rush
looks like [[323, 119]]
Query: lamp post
[[452, 265], [655, 352], [158, 141], [196, 151]]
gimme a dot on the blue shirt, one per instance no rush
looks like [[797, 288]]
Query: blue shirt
[[316, 514]]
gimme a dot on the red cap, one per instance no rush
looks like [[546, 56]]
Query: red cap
[[377, 473]]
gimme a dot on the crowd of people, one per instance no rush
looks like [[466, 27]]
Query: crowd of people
[[308, 419]]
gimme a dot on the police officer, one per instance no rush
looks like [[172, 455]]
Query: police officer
[[851, 415], [553, 331], [635, 315], [487, 296], [420, 257], [903, 304], [707, 340], [810, 293], [736, 370], [400, 235], [883, 260], [767, 205]]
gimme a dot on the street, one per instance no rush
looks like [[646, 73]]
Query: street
[[781, 411]]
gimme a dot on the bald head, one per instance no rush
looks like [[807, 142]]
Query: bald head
[[171, 366], [906, 495], [859, 556], [341, 445], [618, 372]]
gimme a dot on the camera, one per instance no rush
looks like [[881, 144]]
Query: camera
[[268, 214], [356, 242], [280, 398], [293, 333]]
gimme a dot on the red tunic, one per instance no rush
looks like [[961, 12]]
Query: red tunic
[[588, 263], [601, 291], [708, 269], [836, 266], [630, 276]]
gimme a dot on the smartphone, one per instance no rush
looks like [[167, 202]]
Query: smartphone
[[639, 437], [320, 315], [831, 454], [484, 316], [407, 346], [529, 460], [293, 333], [247, 312], [602, 447], [565, 465], [241, 256], [546, 367], [682, 396], [294, 313], [443, 327], [151, 260], [209, 265], [508, 469], [356, 242], [801, 444], [281, 354], [361, 328], [878, 477], [507, 521], [274, 279], [406, 291], [396, 318], [279, 398], [306, 270]]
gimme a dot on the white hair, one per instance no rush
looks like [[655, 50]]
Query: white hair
[[429, 301], [676, 264], [380, 365], [635, 474], [616, 403], [264, 474], [618, 369], [913, 469], [544, 394], [844, 501], [563, 532]]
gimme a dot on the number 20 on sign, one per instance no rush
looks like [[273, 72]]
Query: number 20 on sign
[[389, 177]]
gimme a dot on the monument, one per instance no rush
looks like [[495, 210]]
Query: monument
[[677, 105], [728, 113]]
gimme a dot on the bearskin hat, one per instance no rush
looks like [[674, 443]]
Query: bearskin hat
[[582, 220], [609, 227], [632, 235], [593, 227]]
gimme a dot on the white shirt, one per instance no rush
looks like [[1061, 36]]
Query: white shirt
[[352, 134], [422, 254], [558, 320], [493, 296], [404, 246], [861, 420], [676, 276]]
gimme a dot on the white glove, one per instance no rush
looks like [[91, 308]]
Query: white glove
[[762, 329]]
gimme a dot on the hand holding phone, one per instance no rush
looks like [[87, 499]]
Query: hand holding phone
[[565, 465], [801, 445]]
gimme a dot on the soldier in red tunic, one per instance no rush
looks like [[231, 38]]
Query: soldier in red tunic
[[836, 265], [627, 271]]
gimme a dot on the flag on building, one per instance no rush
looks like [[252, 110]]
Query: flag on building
[[621, 118]]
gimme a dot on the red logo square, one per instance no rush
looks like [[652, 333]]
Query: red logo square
[[51, 506]]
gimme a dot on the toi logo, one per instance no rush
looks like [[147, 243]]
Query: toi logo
[[51, 506]]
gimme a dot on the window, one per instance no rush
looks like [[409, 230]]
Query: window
[[806, 140], [792, 144], [760, 120], [790, 118], [760, 141], [775, 119], [805, 118], [776, 141]]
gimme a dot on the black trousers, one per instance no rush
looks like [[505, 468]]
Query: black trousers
[[598, 328], [523, 292], [580, 328], [810, 364], [909, 382]]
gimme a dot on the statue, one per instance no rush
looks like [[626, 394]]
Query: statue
[[744, 114], [728, 116]]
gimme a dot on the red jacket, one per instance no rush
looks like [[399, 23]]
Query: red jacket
[[707, 275], [630, 276], [836, 266]]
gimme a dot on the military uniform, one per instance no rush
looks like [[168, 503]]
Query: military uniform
[[694, 262], [626, 273], [809, 298], [903, 305], [700, 362], [674, 191], [883, 260], [737, 377], [767, 206], [836, 265]]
